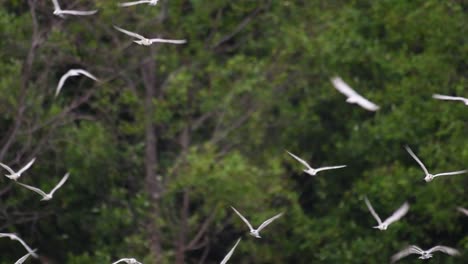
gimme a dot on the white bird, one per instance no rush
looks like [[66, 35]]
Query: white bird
[[425, 254], [23, 258], [429, 177], [15, 237], [128, 261], [311, 171], [229, 254], [397, 215], [463, 210], [59, 12], [149, 2], [450, 98], [256, 232], [70, 73], [353, 96], [47, 196], [15, 175], [146, 42]]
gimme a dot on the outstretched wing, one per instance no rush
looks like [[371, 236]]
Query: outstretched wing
[[371, 209], [62, 81], [447, 250], [134, 3], [27, 166], [34, 189], [56, 5], [345, 89], [416, 159], [398, 214], [463, 210], [171, 41], [267, 222], [120, 260], [450, 173], [62, 181], [132, 34], [330, 168], [243, 218], [405, 252], [78, 13], [87, 74], [23, 258], [7, 168], [17, 238], [446, 97], [300, 160], [229, 254]]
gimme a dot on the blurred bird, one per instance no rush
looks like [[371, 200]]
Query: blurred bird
[[70, 73], [256, 232], [128, 261], [149, 2], [59, 12], [229, 254], [353, 96], [15, 237], [312, 171], [429, 177], [23, 258], [425, 254], [397, 215], [146, 42], [15, 175], [450, 98], [463, 210], [46, 196]]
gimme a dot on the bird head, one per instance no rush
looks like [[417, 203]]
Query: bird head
[[255, 233]]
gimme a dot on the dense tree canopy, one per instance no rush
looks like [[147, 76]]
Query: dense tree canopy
[[173, 135]]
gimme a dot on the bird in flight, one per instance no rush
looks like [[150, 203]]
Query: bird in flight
[[47, 196], [23, 258], [128, 261], [229, 254], [15, 175], [450, 98], [59, 12], [353, 96], [463, 210], [397, 215], [311, 171], [149, 2], [256, 232], [15, 237], [70, 73], [425, 254], [146, 42], [429, 177]]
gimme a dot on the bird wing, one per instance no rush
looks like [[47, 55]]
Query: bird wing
[[243, 218], [345, 89], [86, 73], [447, 250], [133, 34], [267, 222], [62, 181], [34, 189], [463, 210], [300, 160], [56, 4], [417, 160], [23, 258], [17, 238], [405, 252], [450, 173], [120, 260], [172, 41], [134, 3], [7, 168], [27, 166], [229, 254], [78, 13], [366, 104], [330, 168], [446, 97], [62, 81], [371, 209], [398, 214]]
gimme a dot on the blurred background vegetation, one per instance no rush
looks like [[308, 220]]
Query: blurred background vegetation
[[174, 135]]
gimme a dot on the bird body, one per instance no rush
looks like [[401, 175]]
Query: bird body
[[127, 260], [428, 176], [46, 196], [311, 171], [229, 254], [256, 232], [17, 238], [58, 11], [397, 215], [71, 73], [450, 98], [353, 96], [425, 254], [146, 41], [15, 175]]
